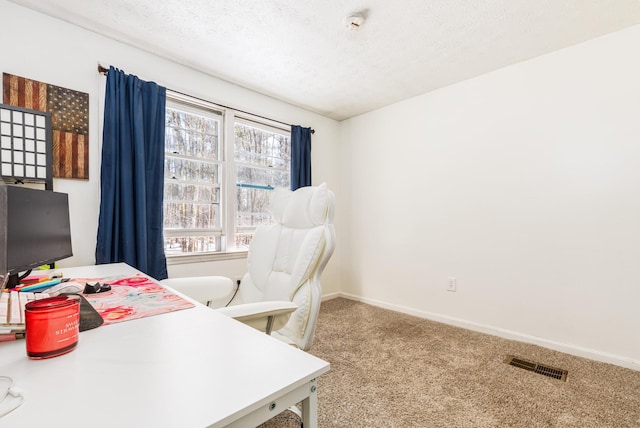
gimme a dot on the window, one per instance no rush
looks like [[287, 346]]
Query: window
[[262, 158], [192, 222], [220, 169]]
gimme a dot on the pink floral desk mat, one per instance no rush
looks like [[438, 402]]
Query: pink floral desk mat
[[132, 298]]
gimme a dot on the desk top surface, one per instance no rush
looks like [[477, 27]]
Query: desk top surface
[[193, 367]]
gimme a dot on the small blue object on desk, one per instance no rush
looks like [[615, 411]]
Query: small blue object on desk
[[40, 285]]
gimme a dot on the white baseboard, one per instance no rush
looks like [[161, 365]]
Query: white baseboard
[[506, 334], [330, 296]]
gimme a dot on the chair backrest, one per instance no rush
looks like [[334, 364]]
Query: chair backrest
[[286, 259]]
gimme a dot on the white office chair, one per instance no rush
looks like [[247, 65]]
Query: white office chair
[[281, 291]]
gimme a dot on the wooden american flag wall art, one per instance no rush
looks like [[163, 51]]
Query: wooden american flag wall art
[[69, 120]]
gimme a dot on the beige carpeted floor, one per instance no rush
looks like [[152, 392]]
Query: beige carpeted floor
[[394, 370]]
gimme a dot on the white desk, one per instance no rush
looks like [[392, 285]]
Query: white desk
[[189, 368]]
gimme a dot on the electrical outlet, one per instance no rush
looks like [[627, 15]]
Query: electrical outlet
[[452, 284]]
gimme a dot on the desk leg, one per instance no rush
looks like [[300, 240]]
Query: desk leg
[[310, 407]]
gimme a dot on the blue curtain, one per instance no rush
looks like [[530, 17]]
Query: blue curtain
[[132, 175], [300, 157]]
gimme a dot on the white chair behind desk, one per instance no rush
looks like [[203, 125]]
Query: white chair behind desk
[[281, 291]]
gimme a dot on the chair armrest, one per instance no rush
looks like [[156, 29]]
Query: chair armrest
[[264, 316], [204, 289]]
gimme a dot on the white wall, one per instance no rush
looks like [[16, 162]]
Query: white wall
[[52, 51], [524, 184]]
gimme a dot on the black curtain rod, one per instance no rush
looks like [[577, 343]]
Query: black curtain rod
[[103, 70]]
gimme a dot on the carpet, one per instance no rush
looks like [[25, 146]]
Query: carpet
[[394, 370]]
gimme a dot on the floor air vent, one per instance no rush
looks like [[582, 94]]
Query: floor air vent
[[531, 366]]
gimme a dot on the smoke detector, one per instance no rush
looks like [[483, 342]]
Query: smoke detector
[[354, 21]]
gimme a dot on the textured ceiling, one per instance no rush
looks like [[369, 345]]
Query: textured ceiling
[[301, 51]]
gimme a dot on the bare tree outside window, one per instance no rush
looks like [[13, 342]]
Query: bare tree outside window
[[262, 160]]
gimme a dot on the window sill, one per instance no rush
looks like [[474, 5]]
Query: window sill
[[203, 258]]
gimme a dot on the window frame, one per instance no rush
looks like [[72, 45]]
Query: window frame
[[228, 209], [202, 110], [263, 125]]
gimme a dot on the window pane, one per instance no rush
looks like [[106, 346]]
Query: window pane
[[243, 240], [185, 215], [175, 191], [191, 245], [190, 170], [261, 147], [191, 134], [253, 206], [263, 177]]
